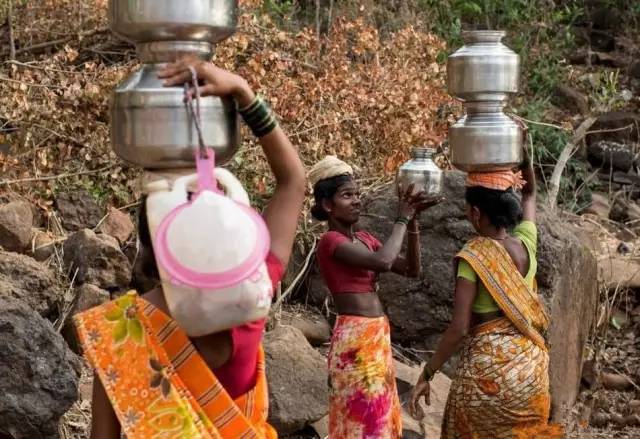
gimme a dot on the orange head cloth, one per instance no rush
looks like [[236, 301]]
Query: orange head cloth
[[499, 180]]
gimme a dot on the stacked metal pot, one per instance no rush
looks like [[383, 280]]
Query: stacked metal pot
[[483, 74], [150, 126]]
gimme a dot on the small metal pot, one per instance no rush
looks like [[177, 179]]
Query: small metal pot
[[172, 20], [422, 171], [485, 139], [483, 69], [150, 126]]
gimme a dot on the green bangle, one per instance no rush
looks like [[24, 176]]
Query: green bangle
[[401, 220], [259, 117]]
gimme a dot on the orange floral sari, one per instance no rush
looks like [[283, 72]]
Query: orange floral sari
[[158, 384], [501, 388]]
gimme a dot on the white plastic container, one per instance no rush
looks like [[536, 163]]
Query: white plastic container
[[210, 252]]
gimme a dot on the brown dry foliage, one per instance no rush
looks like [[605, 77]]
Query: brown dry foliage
[[346, 94]]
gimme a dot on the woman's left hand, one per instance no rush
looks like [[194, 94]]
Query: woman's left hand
[[217, 81], [422, 388]]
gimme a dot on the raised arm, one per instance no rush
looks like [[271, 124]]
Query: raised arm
[[529, 190], [383, 259], [283, 210]]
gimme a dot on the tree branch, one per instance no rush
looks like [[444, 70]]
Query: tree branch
[[565, 155]]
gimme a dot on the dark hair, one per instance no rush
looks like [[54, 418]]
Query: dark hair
[[503, 208], [145, 269], [325, 190]]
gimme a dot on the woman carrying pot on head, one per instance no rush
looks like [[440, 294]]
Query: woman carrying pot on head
[[363, 397], [501, 387], [212, 386]]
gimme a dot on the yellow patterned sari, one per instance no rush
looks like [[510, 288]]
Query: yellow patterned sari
[[501, 388]]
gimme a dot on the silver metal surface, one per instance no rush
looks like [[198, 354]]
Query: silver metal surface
[[150, 126], [173, 20], [157, 52], [485, 139], [483, 69], [421, 171]]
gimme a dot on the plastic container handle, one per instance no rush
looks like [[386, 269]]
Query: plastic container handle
[[227, 180]]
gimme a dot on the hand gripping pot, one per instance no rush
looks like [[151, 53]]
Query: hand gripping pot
[[211, 252]]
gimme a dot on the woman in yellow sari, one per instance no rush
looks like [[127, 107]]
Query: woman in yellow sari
[[501, 387]]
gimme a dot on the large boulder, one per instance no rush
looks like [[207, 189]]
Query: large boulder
[[97, 259], [297, 375], [78, 210], [16, 220], [23, 278], [611, 155], [39, 374], [420, 309]]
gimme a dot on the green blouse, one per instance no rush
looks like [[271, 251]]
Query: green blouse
[[527, 232]]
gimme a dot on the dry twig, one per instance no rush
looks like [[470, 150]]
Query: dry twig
[[56, 177], [565, 155]]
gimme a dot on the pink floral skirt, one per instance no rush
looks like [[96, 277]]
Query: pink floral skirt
[[364, 401]]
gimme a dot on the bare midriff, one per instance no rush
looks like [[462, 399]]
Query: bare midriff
[[358, 304]]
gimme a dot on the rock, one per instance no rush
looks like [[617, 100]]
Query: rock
[[16, 220], [97, 259], [321, 427], [599, 419], [625, 124], [43, 245], [22, 278], [314, 327], [599, 206], [78, 210], [86, 296], [420, 309], [117, 224], [571, 99], [297, 374], [635, 406], [430, 425], [611, 155], [89, 296], [39, 374]]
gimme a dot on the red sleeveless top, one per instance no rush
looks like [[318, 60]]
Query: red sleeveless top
[[238, 375]]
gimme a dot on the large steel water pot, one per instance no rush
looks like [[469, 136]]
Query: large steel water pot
[[420, 170], [483, 69], [150, 126], [485, 139], [173, 20]]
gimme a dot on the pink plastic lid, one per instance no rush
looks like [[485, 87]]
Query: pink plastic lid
[[181, 274]]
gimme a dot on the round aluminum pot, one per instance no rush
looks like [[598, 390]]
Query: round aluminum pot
[[421, 171], [485, 139], [172, 20], [483, 69], [150, 126]]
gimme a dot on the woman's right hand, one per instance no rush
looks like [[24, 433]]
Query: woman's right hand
[[217, 81]]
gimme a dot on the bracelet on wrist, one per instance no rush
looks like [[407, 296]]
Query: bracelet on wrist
[[401, 220], [259, 117], [428, 373]]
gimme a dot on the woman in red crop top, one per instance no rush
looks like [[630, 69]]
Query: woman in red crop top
[[363, 398], [231, 355]]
